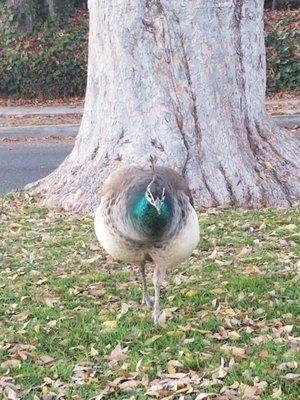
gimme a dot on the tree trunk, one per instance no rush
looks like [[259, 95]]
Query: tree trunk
[[274, 4], [51, 7], [184, 81]]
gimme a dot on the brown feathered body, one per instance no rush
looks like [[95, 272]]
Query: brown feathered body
[[131, 228]]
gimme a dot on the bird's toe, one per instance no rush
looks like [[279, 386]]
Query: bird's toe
[[147, 301]]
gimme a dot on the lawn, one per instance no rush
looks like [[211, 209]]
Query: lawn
[[71, 324]]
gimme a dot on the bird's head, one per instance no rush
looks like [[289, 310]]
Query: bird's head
[[155, 195]]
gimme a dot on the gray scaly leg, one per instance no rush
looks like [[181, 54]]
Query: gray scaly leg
[[146, 299], [158, 278]]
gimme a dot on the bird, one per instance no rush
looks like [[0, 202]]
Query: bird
[[147, 214]]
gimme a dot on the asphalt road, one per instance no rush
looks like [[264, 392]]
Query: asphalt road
[[22, 163]]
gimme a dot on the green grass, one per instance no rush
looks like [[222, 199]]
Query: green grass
[[237, 299]]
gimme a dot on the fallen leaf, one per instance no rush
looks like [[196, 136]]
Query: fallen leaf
[[230, 312], [286, 329], [287, 365], [263, 354], [291, 377], [221, 372], [10, 394], [110, 325], [117, 355], [128, 386], [124, 309], [94, 352], [174, 365], [45, 360], [233, 335], [245, 250], [202, 396], [238, 352], [191, 293], [12, 363], [249, 392], [152, 339], [277, 392]]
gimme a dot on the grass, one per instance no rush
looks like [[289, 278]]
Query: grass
[[71, 324]]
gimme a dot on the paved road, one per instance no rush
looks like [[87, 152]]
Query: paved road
[[24, 162], [286, 121], [21, 164]]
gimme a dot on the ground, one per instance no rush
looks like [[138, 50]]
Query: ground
[[71, 324]]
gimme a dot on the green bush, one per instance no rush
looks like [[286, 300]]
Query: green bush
[[283, 66], [49, 63]]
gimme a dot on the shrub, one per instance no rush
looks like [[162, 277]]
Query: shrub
[[51, 62], [283, 58]]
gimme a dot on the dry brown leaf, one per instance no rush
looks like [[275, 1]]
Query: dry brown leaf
[[291, 377], [202, 396], [11, 394], [109, 325], [249, 392], [94, 352], [264, 354], [13, 362], [174, 365], [221, 372], [117, 355], [286, 329], [245, 250], [170, 383], [234, 335], [287, 365], [277, 392], [238, 352], [45, 360], [124, 309], [128, 386]]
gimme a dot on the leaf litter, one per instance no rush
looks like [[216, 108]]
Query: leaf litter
[[71, 317]]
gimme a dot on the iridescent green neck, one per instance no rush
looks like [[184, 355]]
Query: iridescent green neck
[[146, 215]]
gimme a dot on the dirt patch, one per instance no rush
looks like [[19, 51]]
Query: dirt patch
[[33, 139], [40, 120], [78, 101], [287, 106]]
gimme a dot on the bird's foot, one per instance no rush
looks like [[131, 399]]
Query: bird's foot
[[147, 301]]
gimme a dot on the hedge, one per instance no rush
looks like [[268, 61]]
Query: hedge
[[51, 62]]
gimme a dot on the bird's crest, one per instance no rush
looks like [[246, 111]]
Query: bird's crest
[[153, 161]]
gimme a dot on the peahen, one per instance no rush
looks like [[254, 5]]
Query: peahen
[[147, 214]]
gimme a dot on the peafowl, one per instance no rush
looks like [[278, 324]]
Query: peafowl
[[147, 214]]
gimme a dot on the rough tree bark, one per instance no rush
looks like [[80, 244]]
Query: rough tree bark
[[51, 7], [184, 81]]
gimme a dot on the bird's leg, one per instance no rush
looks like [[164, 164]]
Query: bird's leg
[[146, 300], [158, 278]]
